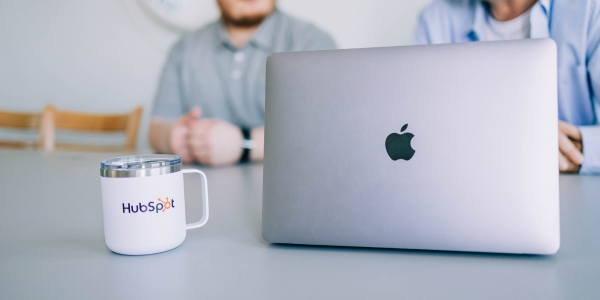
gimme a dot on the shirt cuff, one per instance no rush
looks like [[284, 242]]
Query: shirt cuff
[[590, 135]]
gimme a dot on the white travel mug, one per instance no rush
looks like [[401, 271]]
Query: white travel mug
[[143, 203]]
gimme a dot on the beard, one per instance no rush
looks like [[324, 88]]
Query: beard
[[245, 21]]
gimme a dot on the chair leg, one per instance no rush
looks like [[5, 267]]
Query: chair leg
[[47, 139]]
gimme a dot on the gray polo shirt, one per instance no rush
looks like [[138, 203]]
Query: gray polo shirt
[[204, 69]]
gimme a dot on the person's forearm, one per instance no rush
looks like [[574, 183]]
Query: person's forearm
[[158, 135], [258, 136]]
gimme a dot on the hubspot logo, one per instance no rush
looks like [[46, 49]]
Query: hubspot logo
[[160, 206]]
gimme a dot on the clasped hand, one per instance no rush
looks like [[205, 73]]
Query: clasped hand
[[570, 146], [209, 141]]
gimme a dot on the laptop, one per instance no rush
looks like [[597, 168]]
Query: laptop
[[438, 147]]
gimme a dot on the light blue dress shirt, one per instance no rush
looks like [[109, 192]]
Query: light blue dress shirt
[[575, 27]]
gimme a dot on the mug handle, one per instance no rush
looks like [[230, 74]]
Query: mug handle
[[204, 218]]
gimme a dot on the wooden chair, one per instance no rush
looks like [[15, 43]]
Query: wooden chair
[[55, 119], [20, 121]]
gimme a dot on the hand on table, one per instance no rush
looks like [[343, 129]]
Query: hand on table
[[211, 141], [570, 147], [179, 135]]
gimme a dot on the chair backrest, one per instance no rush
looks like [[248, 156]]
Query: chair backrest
[[74, 121], [22, 121]]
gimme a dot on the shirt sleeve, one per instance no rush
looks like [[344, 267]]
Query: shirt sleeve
[[439, 22], [591, 134], [591, 149], [169, 102], [421, 35], [312, 38]]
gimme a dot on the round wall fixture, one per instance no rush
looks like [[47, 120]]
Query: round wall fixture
[[183, 15]]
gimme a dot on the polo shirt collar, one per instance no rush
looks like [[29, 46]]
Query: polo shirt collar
[[540, 10], [262, 38]]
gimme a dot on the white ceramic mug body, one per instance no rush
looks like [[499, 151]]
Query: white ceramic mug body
[[143, 215]]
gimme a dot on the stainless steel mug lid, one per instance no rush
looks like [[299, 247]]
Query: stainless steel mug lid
[[140, 165]]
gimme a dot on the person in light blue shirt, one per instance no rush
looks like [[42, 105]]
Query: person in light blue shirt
[[575, 27]]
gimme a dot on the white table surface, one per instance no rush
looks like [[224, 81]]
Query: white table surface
[[52, 247]]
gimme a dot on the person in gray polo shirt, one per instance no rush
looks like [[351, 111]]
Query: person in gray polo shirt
[[210, 104]]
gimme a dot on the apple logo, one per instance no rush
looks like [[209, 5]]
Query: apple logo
[[398, 145]]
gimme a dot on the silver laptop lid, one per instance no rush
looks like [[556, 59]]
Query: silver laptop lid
[[483, 175]]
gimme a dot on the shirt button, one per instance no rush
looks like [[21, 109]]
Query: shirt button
[[239, 56], [236, 74]]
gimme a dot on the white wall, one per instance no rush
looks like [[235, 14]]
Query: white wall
[[105, 56]]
